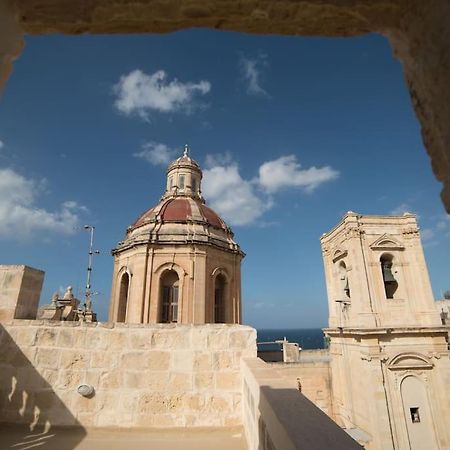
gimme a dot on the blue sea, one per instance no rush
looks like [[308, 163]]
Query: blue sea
[[307, 338]]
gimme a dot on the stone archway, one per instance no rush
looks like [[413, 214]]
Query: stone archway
[[417, 31]]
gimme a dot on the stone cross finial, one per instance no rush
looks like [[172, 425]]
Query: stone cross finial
[[186, 150]]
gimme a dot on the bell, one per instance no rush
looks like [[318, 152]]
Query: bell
[[388, 276]]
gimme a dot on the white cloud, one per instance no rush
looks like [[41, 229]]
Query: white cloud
[[231, 196], [401, 209], [19, 215], [219, 159], [427, 234], [251, 70], [243, 202], [286, 172], [156, 153], [2, 144], [443, 223], [139, 93]]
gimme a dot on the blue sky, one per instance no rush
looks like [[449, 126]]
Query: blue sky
[[292, 133]]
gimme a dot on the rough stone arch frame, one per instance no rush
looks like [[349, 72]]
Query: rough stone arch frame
[[159, 273], [416, 30]]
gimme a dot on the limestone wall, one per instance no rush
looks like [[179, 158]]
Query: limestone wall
[[314, 374], [143, 375], [20, 291]]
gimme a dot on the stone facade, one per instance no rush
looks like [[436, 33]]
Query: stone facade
[[389, 353], [158, 376], [178, 261], [20, 291], [417, 32]]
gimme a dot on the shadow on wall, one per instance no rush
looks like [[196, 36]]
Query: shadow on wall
[[33, 424]]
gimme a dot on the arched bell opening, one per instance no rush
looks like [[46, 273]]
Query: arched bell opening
[[169, 294], [344, 283], [390, 283], [123, 297]]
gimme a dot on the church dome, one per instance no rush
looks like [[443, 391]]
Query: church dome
[[181, 216], [181, 210]]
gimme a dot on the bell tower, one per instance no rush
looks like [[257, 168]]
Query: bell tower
[[376, 273], [389, 352]]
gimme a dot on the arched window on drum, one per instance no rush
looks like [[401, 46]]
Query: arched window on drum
[[124, 288], [219, 299], [169, 297]]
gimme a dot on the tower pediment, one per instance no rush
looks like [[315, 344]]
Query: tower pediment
[[387, 242], [339, 254], [409, 360]]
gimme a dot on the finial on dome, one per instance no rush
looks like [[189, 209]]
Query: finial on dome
[[186, 150]]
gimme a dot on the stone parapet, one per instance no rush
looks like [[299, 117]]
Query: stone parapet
[[149, 376], [277, 416]]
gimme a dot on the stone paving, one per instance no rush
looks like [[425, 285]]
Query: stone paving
[[18, 437]]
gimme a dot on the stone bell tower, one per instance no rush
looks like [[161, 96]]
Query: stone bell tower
[[179, 262], [389, 352], [376, 273]]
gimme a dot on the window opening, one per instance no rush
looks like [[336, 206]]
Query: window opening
[[343, 277], [181, 181], [123, 297], [219, 299], [169, 301], [415, 416], [390, 283]]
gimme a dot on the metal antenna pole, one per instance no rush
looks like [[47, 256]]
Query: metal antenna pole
[[87, 297]]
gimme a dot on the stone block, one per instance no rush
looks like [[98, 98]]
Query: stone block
[[115, 339], [75, 359], [194, 402], [218, 404], [241, 339], [141, 339], [182, 361], [47, 337], [134, 360], [180, 382], [83, 404], [103, 359], [111, 380], [204, 381], [47, 358], [158, 360], [202, 361], [230, 381], [69, 379], [65, 338], [218, 340], [223, 360], [152, 403], [169, 339], [135, 380]]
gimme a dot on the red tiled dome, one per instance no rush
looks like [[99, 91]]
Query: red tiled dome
[[182, 209]]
